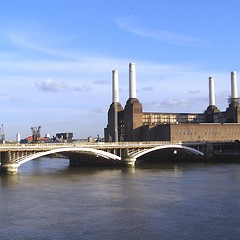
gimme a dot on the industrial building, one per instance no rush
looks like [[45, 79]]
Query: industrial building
[[132, 124], [64, 137]]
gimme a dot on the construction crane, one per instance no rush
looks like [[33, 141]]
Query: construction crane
[[36, 134]]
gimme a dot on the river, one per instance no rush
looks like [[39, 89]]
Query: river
[[49, 200]]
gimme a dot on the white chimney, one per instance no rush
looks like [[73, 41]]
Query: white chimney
[[132, 81], [211, 91], [234, 84], [18, 138], [115, 93]]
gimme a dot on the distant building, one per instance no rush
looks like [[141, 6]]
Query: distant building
[[132, 124], [64, 137], [30, 140]]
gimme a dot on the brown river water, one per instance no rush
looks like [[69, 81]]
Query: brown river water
[[50, 200]]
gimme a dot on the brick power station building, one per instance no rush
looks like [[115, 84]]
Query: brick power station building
[[132, 124]]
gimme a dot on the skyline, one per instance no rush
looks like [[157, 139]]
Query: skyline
[[56, 59]]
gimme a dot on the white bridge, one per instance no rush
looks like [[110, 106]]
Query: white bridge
[[80, 153]]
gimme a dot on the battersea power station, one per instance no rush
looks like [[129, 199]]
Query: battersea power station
[[131, 123]]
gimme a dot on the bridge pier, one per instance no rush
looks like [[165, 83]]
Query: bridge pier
[[9, 168], [208, 150], [7, 165], [129, 161]]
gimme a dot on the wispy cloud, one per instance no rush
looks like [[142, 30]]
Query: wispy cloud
[[31, 37], [149, 88], [15, 99], [174, 104], [170, 103], [161, 35], [50, 85], [223, 96], [85, 88], [193, 91], [101, 82]]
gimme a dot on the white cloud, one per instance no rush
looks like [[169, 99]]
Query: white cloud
[[51, 85], [148, 88], [85, 88], [32, 38], [161, 35], [102, 82], [193, 91], [170, 103], [15, 99], [174, 102]]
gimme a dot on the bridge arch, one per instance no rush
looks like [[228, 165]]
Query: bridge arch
[[90, 151], [173, 146]]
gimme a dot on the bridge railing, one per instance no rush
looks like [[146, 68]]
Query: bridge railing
[[5, 145]]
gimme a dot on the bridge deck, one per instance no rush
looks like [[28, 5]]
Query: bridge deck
[[13, 155]]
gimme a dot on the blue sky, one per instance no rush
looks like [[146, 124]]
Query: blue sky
[[57, 57]]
